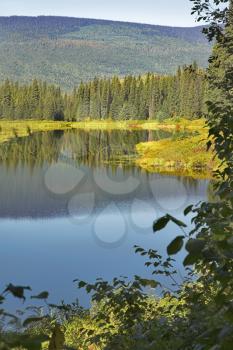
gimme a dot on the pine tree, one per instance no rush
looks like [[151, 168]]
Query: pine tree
[[139, 97]]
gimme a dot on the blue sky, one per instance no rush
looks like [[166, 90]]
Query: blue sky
[[164, 12]]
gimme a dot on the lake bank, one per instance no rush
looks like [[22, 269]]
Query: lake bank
[[186, 156], [184, 153], [10, 129]]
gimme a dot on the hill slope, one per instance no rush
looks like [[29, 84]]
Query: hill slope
[[65, 50]]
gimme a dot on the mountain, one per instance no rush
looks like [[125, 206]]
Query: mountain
[[65, 50]]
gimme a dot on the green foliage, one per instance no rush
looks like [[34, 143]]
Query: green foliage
[[33, 101], [176, 245], [162, 222], [161, 116], [143, 97], [16, 291], [214, 13]]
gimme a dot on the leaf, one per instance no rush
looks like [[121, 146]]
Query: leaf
[[194, 246], [139, 250], [148, 283], [176, 245], [42, 295], [161, 223], [188, 210], [176, 221], [89, 288], [190, 259], [17, 291], [82, 284]]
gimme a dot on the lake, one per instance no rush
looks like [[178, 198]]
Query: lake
[[73, 205]]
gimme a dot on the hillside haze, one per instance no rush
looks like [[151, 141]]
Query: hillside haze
[[65, 51]]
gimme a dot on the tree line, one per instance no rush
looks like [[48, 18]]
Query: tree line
[[144, 97]]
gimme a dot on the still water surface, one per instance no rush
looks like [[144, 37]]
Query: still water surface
[[73, 205]]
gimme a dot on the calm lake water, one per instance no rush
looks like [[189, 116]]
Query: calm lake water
[[73, 205]]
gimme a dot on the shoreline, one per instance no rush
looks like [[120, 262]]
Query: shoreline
[[185, 156], [10, 129]]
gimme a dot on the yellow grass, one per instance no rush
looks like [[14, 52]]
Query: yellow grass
[[13, 129], [186, 156], [22, 128]]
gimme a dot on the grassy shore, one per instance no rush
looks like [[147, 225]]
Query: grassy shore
[[183, 154], [14, 129], [168, 124], [178, 156], [21, 128]]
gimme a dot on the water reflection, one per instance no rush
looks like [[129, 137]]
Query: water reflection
[[41, 173], [87, 226], [88, 148]]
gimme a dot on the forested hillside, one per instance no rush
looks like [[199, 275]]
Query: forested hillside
[[65, 51], [143, 97]]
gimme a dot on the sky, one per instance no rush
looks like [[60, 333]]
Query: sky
[[163, 12]]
